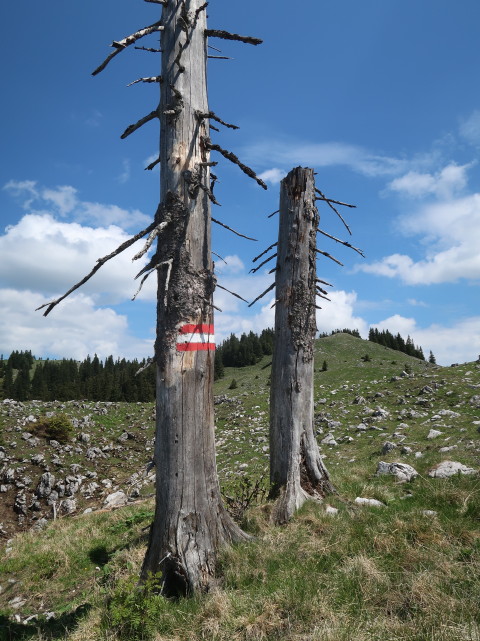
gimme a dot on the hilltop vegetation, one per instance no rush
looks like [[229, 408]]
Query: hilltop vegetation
[[408, 570]]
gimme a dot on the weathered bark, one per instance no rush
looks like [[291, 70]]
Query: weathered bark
[[190, 522], [296, 468]]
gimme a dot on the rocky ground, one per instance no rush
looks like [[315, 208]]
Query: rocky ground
[[371, 415]]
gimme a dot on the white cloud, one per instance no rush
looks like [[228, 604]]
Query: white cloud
[[287, 153], [458, 343], [65, 202], [470, 128], [273, 176], [76, 328], [64, 198], [443, 184], [339, 313], [230, 265], [25, 190], [450, 231], [44, 255]]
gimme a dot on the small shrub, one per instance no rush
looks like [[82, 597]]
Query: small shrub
[[233, 384], [133, 610], [366, 358], [324, 366], [58, 428], [243, 493]]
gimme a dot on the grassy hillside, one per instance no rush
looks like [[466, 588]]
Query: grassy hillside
[[408, 570]]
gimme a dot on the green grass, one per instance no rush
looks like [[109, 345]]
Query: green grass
[[364, 574]]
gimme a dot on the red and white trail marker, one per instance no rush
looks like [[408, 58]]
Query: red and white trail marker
[[195, 338]]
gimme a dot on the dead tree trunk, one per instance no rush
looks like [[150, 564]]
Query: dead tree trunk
[[190, 522], [296, 468]]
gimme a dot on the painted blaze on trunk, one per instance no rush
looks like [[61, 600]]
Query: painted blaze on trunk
[[296, 468], [190, 521]]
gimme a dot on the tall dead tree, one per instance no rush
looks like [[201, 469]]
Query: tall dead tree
[[190, 523], [297, 471]]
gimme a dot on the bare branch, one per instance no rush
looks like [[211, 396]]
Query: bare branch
[[150, 360], [215, 48], [320, 289], [342, 242], [150, 49], [226, 35], [158, 79], [322, 296], [221, 58], [330, 200], [152, 164], [221, 257], [164, 2], [329, 256], [141, 283], [100, 262], [131, 128], [263, 294], [324, 282], [120, 45], [141, 33], [214, 220], [232, 293], [230, 156], [275, 212], [264, 252], [267, 260], [329, 203], [213, 116], [158, 229]]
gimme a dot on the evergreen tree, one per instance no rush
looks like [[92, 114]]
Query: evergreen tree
[[432, 359]]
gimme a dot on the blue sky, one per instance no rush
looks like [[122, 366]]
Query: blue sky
[[380, 97]]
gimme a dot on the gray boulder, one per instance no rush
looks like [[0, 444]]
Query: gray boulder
[[45, 486], [449, 468], [401, 471], [117, 499]]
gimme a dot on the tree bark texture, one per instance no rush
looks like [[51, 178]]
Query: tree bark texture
[[296, 468], [190, 523]]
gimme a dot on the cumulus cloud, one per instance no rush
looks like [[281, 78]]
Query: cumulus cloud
[[63, 201], [230, 265], [458, 343], [443, 184], [339, 313], [44, 255], [76, 328], [273, 176], [450, 232]]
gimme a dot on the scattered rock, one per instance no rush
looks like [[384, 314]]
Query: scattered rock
[[117, 499], [449, 468], [401, 471], [388, 446], [434, 434], [363, 501]]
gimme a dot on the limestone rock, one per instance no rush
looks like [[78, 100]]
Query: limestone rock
[[117, 499], [449, 468], [364, 501], [401, 471]]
